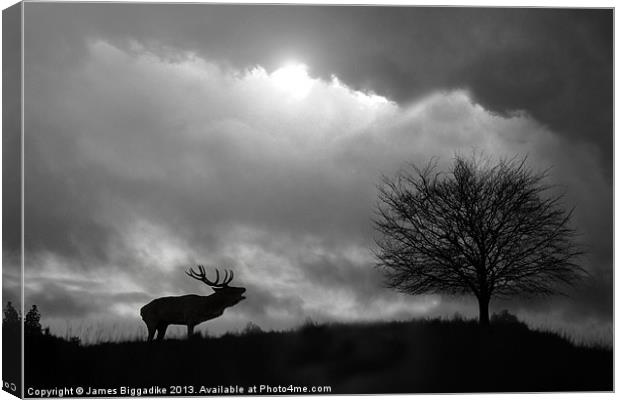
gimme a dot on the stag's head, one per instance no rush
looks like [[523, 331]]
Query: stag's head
[[232, 294]]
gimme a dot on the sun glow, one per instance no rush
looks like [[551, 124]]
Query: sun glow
[[293, 77]]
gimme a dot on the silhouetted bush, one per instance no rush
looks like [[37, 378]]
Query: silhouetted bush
[[252, 329], [32, 324], [11, 315], [457, 317], [505, 317]]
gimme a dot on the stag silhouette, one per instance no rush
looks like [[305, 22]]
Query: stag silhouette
[[191, 309]]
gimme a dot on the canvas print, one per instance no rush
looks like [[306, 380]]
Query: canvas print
[[250, 199]]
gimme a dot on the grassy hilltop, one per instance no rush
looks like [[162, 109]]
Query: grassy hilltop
[[420, 356]]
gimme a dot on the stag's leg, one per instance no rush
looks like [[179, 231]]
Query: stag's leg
[[151, 329], [151, 333], [190, 330], [161, 331]]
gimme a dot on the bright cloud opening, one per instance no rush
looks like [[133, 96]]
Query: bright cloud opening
[[293, 77]]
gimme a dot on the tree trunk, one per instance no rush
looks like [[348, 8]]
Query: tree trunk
[[483, 306]]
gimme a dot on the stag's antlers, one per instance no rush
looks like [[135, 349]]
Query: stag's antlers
[[202, 276]]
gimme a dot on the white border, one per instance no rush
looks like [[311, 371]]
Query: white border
[[475, 3]]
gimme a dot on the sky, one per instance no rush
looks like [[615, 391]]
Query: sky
[[253, 137]]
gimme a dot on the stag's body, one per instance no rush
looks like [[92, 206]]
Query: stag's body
[[191, 309]]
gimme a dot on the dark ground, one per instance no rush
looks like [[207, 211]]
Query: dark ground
[[400, 357], [11, 358]]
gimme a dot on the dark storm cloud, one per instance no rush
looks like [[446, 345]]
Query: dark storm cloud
[[11, 143], [143, 159], [62, 303], [261, 298], [334, 272], [590, 298], [72, 298], [555, 64]]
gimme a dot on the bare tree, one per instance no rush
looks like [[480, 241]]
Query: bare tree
[[483, 228], [191, 309]]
